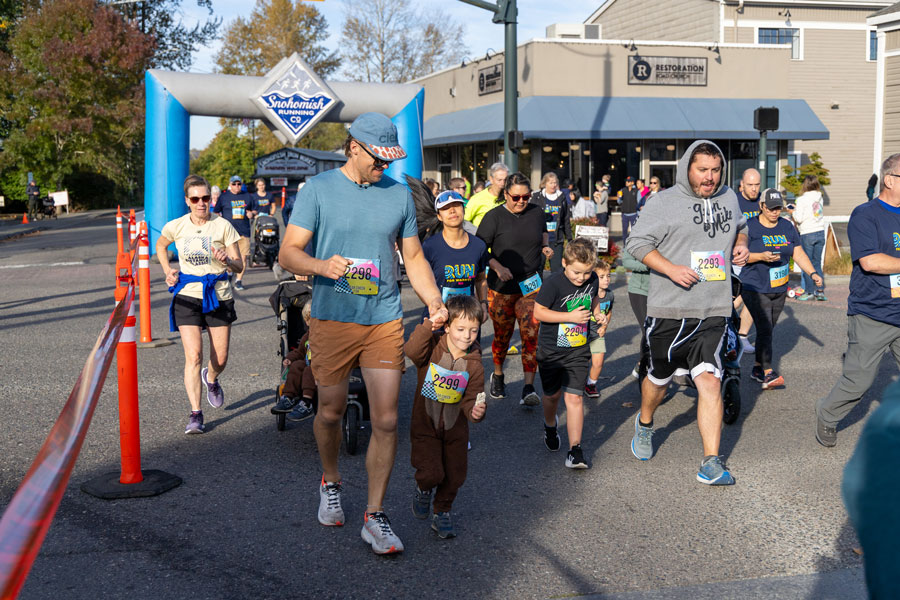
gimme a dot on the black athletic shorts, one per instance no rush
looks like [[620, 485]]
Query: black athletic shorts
[[567, 370], [189, 311], [684, 346]]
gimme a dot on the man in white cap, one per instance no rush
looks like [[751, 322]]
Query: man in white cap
[[353, 216]]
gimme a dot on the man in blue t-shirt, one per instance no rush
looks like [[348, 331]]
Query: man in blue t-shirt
[[239, 208], [873, 307], [354, 217], [748, 202], [458, 260]]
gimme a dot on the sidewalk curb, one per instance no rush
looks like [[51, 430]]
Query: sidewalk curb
[[15, 234]]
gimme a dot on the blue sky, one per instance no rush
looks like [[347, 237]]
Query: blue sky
[[480, 32]]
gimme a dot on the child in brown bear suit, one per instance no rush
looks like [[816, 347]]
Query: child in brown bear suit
[[450, 393]]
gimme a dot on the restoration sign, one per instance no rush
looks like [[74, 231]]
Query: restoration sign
[[490, 79], [666, 70]]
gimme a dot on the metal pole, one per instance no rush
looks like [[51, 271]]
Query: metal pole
[[511, 90], [763, 150]]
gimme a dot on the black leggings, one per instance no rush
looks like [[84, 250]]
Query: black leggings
[[639, 308], [765, 310]]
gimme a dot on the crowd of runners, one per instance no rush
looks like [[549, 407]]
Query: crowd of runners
[[507, 254]]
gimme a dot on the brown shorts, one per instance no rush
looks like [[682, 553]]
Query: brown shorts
[[336, 348], [244, 247]]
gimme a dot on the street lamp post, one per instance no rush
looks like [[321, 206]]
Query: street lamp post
[[505, 12]]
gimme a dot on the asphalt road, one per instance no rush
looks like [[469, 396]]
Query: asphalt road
[[243, 523]]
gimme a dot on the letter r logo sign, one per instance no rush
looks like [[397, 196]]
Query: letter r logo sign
[[641, 70]]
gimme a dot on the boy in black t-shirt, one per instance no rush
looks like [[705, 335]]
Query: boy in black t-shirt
[[598, 327], [564, 306]]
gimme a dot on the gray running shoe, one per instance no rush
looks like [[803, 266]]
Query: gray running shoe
[[214, 394], [642, 442], [421, 505], [443, 525], [377, 532], [713, 472], [284, 404], [826, 434], [330, 512]]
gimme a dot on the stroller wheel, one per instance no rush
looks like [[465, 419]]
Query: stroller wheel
[[731, 399], [351, 427]]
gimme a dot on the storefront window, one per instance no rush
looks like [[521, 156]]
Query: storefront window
[[555, 158], [525, 161], [467, 163], [661, 150], [482, 161], [743, 157]]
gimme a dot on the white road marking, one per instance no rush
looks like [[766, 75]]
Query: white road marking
[[58, 264]]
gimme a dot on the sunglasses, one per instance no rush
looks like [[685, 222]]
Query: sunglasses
[[235, 183], [521, 198], [196, 199], [379, 162]]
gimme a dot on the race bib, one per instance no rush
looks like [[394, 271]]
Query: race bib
[[446, 292], [778, 276], [361, 277], [552, 225], [710, 266], [443, 385], [530, 285], [572, 335], [238, 213], [895, 285]]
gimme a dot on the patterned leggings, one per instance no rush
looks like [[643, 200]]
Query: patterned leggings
[[505, 310]]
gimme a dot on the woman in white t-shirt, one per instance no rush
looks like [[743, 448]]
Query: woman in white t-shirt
[[811, 224], [207, 247]]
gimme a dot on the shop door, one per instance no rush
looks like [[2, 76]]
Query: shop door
[[665, 173]]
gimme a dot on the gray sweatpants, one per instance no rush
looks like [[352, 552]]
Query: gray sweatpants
[[867, 340]]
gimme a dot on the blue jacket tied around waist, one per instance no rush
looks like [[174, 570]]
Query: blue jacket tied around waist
[[210, 300]]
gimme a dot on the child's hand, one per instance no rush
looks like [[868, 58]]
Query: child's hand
[[580, 315], [601, 318], [478, 411], [286, 362]]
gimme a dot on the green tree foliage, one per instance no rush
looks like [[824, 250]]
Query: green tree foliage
[[72, 91], [175, 43], [275, 29], [390, 41], [229, 153], [794, 176]]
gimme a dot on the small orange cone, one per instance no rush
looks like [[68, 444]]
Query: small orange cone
[[24, 218]]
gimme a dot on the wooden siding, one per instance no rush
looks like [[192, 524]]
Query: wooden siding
[[891, 139], [892, 40], [799, 13], [671, 20]]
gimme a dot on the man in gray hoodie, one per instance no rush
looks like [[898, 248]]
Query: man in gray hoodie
[[689, 235]]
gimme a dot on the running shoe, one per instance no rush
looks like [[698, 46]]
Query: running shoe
[[805, 296], [529, 396], [642, 442], [301, 412], [498, 388], [284, 404], [820, 296], [575, 458], [772, 380], [590, 390], [195, 423], [239, 285], [826, 434], [756, 373], [421, 504], [214, 394], [330, 512], [746, 345], [443, 525], [551, 437], [377, 532], [713, 472]]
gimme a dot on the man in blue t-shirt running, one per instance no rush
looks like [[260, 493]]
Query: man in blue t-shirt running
[[873, 307], [354, 216]]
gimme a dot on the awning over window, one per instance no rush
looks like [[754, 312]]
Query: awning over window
[[579, 118]]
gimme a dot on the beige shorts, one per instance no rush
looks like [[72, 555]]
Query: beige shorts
[[244, 246], [336, 348], [598, 346]]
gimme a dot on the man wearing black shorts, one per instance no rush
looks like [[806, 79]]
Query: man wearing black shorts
[[689, 239]]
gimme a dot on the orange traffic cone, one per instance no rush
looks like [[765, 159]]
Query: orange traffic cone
[[24, 218]]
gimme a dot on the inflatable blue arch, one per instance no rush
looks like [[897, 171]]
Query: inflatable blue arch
[[290, 99]]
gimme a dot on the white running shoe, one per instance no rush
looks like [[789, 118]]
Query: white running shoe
[[330, 512], [377, 532]]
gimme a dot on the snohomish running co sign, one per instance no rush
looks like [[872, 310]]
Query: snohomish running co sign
[[666, 70]]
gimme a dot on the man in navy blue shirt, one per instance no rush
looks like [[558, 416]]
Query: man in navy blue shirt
[[873, 307], [238, 208], [748, 201]]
